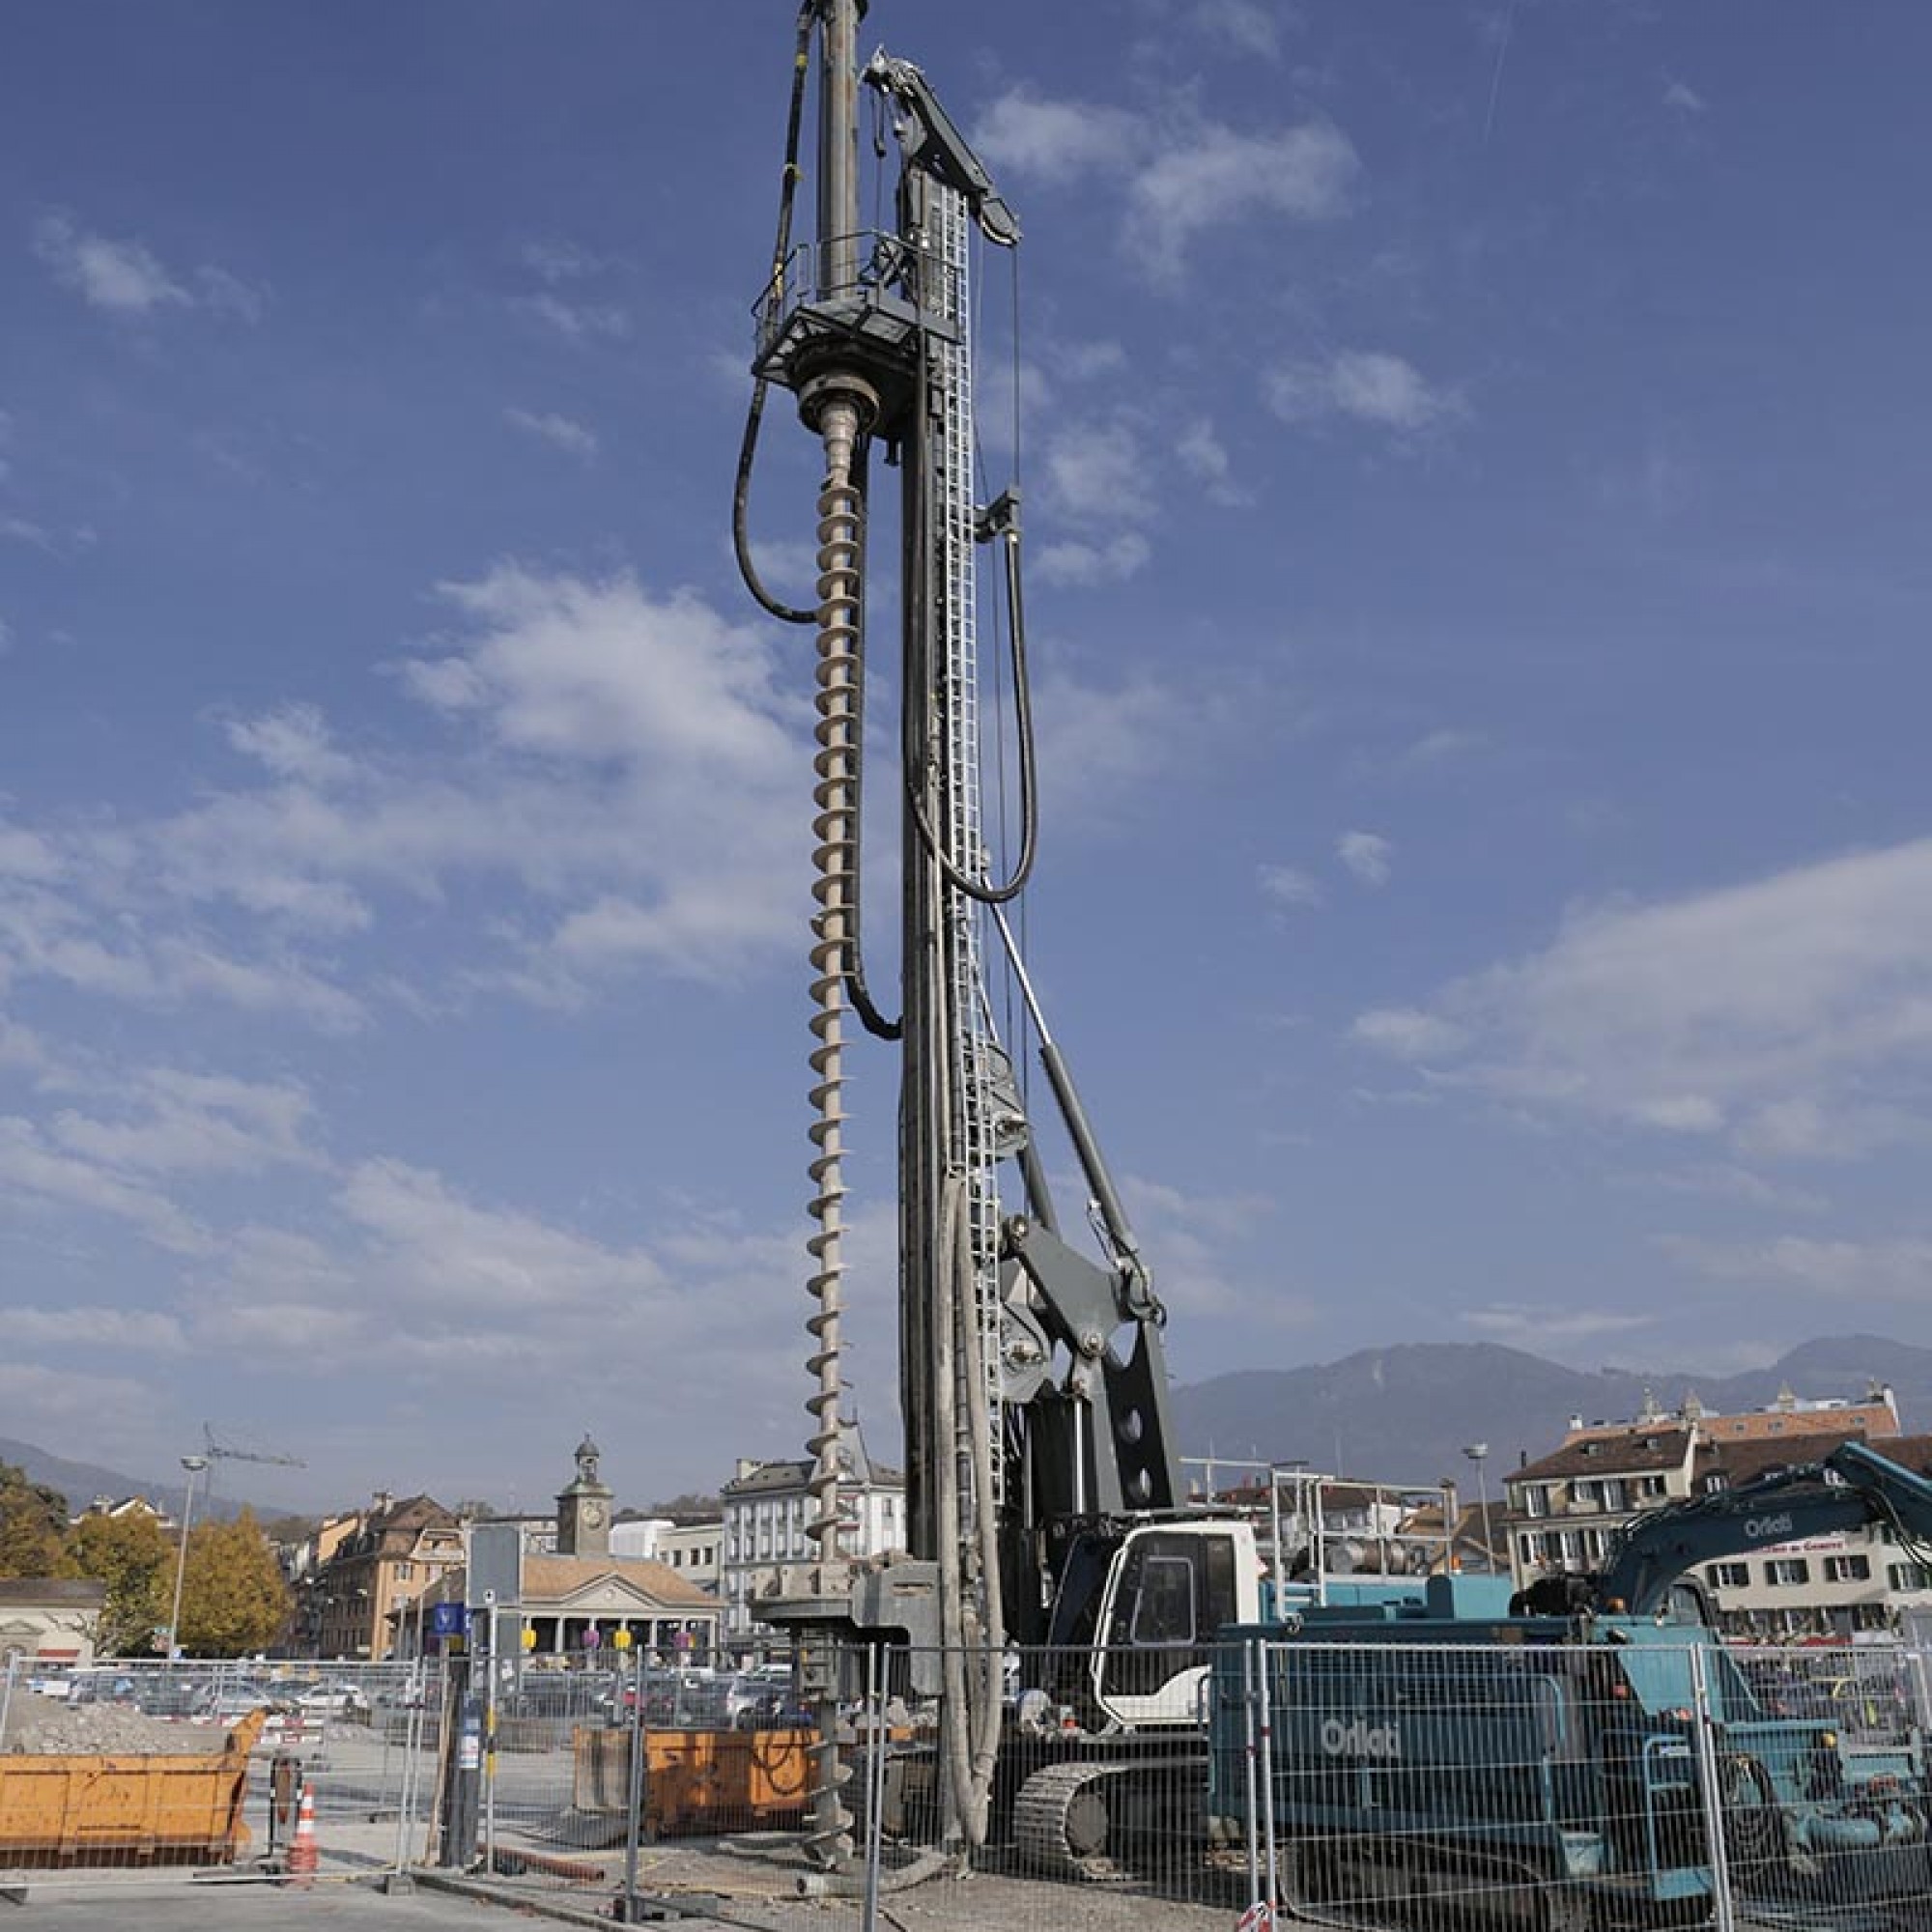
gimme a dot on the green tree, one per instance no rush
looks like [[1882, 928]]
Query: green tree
[[132, 1555], [32, 1526], [233, 1597]]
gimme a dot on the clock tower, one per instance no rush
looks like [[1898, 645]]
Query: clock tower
[[584, 1509]]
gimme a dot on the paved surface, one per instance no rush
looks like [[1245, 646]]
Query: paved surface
[[243, 1908]]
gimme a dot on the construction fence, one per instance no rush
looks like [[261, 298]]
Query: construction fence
[[1507, 1784]]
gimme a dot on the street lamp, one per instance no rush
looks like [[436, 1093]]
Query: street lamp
[[1478, 1453], [193, 1465]]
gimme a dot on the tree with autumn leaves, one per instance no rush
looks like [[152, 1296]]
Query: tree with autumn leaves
[[234, 1599]]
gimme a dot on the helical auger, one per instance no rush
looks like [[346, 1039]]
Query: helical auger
[[834, 864]]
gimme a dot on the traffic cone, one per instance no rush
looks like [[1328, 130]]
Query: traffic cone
[[302, 1854]]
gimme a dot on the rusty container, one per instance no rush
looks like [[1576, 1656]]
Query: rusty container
[[697, 1780], [128, 1808]]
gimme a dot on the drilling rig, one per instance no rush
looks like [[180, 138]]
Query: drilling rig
[[1043, 1497]]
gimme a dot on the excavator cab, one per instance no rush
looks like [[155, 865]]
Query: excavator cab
[[1171, 1589]]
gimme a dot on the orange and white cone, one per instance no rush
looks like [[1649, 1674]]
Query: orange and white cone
[[304, 1857]]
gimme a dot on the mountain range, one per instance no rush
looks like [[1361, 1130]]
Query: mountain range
[[1409, 1414], [1406, 1415], [81, 1482]]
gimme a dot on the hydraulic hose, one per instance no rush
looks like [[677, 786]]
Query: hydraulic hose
[[748, 448]]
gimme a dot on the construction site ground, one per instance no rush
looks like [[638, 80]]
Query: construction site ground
[[698, 1880]]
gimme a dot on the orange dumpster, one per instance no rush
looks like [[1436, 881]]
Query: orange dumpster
[[93, 1811], [696, 1780]]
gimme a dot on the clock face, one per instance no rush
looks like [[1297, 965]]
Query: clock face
[[593, 1515]]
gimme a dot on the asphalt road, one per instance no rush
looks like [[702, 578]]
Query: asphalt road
[[246, 1908]]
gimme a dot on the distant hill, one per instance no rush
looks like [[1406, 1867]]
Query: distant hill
[[1404, 1415], [81, 1482]]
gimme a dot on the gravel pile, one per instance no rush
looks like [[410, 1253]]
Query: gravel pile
[[48, 1726]]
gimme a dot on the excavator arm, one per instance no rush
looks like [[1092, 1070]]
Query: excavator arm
[[1853, 1487]]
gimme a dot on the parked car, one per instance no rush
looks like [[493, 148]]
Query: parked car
[[334, 1700], [230, 1702]]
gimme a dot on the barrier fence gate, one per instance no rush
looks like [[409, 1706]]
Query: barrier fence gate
[[1575, 1786]]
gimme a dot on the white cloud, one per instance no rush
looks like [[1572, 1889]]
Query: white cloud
[[1097, 472], [1408, 1032], [1245, 26], [638, 766], [1442, 747], [1367, 855], [135, 1329], [1211, 176], [1100, 747], [1289, 887], [1794, 1012], [224, 294], [1682, 98], [557, 260], [1365, 385], [1521, 1326], [1022, 133], [128, 278], [40, 1177], [1184, 175], [293, 742], [1848, 1271], [176, 1122], [577, 321], [123, 277], [1205, 457], [558, 431], [1081, 565], [437, 1245]]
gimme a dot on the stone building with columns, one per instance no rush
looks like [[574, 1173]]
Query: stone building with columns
[[577, 1597]]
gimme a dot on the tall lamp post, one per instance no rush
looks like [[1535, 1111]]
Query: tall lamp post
[[1478, 1453], [193, 1465]]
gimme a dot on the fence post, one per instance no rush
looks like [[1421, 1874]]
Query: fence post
[[1267, 1775], [1253, 1819], [1705, 1724], [633, 1788], [876, 1787]]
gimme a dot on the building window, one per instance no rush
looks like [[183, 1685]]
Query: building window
[[404, 1571], [1847, 1568], [1785, 1571], [1729, 1575], [1909, 1576]]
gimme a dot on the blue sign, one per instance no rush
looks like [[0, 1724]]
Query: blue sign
[[449, 1620]]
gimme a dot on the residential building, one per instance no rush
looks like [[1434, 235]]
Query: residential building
[[767, 1507], [365, 1568], [1859, 1581], [47, 1620], [1789, 1415], [1565, 1510], [692, 1550]]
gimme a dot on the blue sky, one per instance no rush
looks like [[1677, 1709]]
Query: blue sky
[[1475, 474]]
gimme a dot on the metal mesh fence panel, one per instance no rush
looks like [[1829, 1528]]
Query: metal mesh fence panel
[[1524, 1781]]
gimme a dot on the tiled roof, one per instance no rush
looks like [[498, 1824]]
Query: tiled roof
[[548, 1579], [1743, 1459], [1610, 1456], [44, 1592]]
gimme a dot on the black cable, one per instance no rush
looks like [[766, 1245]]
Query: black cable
[[741, 489]]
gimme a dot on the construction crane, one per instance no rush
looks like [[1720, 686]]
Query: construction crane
[[216, 1451], [225, 1452], [1039, 1460]]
